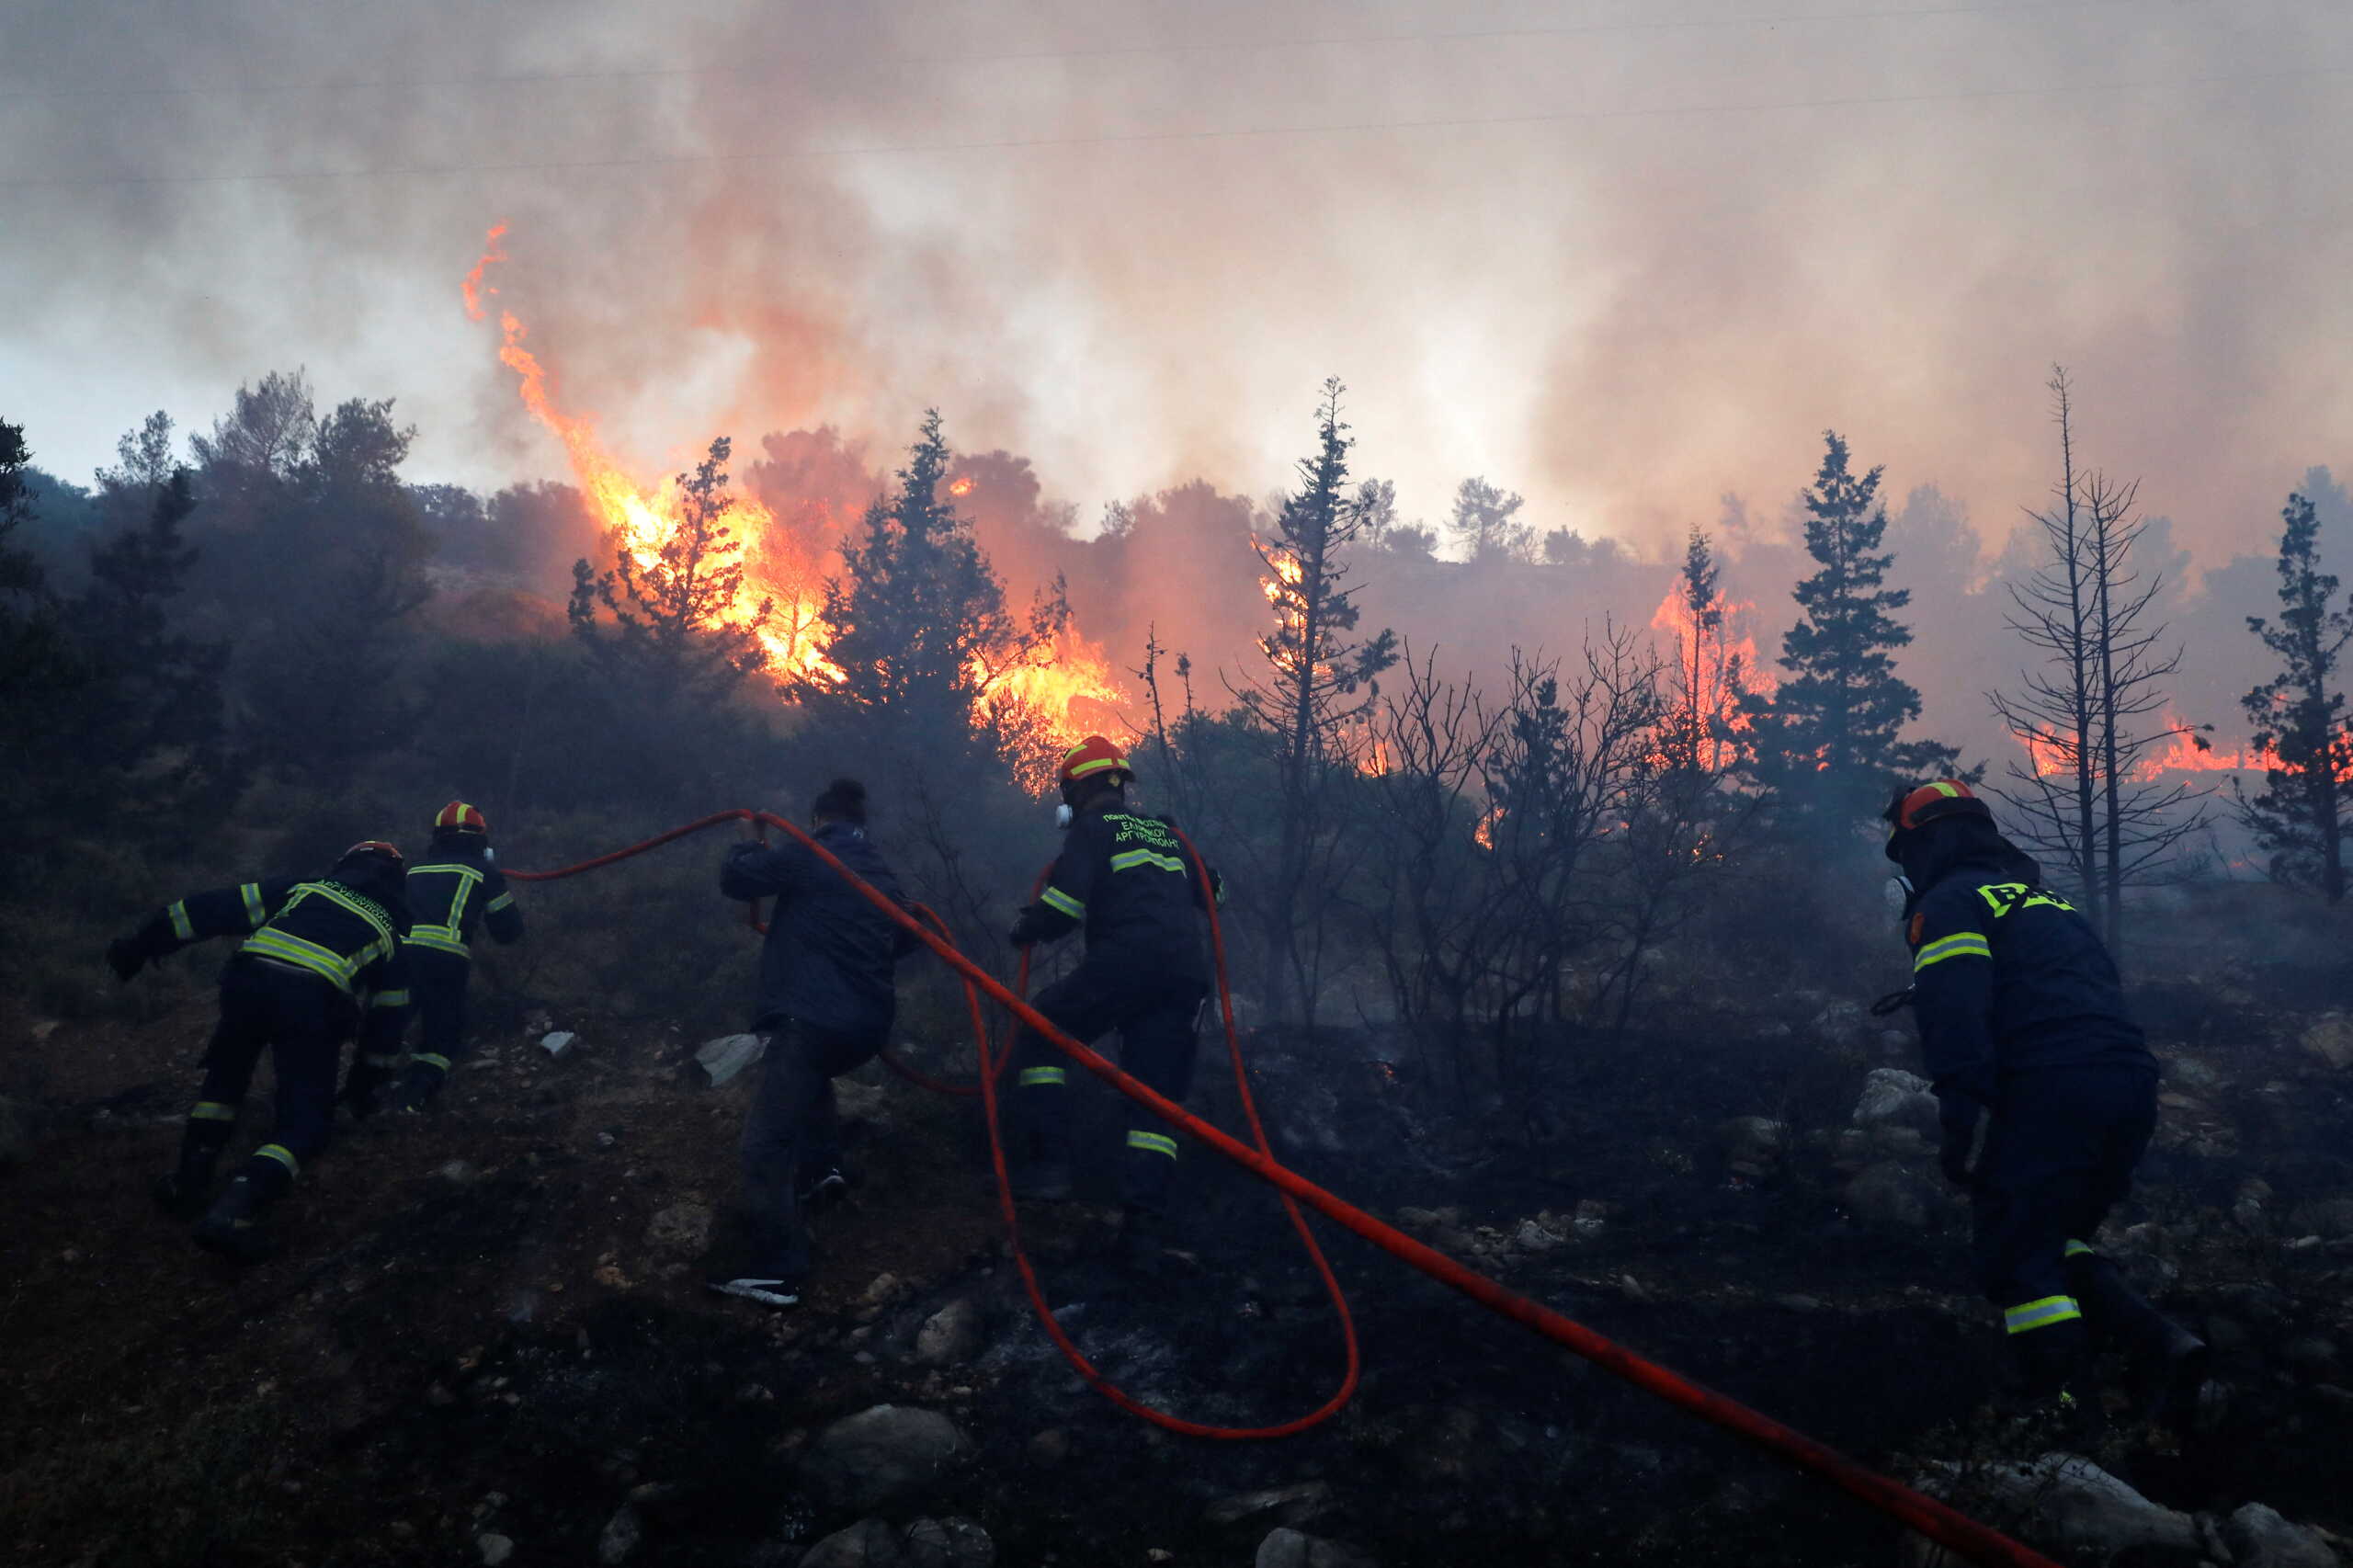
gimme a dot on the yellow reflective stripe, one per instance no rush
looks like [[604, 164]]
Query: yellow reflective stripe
[[1060, 902], [282, 1154], [1033, 1077], [1152, 1143], [1963, 945], [2078, 1249], [431, 1058], [1098, 765], [504, 901], [256, 912], [214, 1110], [1128, 859], [469, 873], [1951, 792], [389, 999], [2041, 1313], [180, 924], [366, 912], [272, 943], [440, 938]]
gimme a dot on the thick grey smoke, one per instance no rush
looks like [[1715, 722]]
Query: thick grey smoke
[[1622, 258]]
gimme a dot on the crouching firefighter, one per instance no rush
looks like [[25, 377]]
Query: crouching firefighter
[[826, 1001], [455, 892], [1127, 879], [320, 961], [2024, 1030]]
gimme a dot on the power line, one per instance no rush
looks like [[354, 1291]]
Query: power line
[[1208, 133], [1107, 51]]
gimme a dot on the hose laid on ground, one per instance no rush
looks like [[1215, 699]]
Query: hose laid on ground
[[1933, 1519]]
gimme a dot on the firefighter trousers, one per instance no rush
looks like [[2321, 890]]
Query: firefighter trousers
[[1157, 1018], [436, 985], [301, 1019], [789, 1133], [2059, 1155]]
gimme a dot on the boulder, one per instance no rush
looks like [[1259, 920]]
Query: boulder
[[947, 1544], [950, 1335], [494, 1549], [870, 1543], [880, 1455], [2259, 1538], [1892, 1098], [622, 1532], [2066, 1502], [1532, 1236], [2331, 1040], [1890, 1196], [730, 1055], [1286, 1548]]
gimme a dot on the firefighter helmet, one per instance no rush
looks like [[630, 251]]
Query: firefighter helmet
[[383, 856], [1910, 809], [460, 817], [1094, 757]]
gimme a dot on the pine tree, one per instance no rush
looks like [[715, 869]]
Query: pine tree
[[1826, 745], [1485, 522], [1709, 680], [31, 649], [2300, 724]]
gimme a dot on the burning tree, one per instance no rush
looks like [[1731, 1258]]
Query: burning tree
[[1698, 736], [1311, 702], [1827, 742], [2087, 795], [2301, 728], [671, 623]]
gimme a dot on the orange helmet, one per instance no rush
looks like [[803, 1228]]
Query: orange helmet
[[1910, 809], [460, 817], [1091, 758], [385, 856]]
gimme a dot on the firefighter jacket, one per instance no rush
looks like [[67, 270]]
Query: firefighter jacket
[[1125, 876], [2008, 977], [456, 893], [829, 954], [323, 928]]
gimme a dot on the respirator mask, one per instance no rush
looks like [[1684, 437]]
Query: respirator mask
[[1063, 814]]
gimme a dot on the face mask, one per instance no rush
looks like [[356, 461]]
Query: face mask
[[1063, 814], [1899, 892]]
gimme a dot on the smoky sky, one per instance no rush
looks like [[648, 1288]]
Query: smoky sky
[[1625, 259]]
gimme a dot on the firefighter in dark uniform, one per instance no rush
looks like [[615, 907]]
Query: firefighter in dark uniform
[[2024, 1030], [320, 961], [1126, 878], [827, 998], [454, 892]]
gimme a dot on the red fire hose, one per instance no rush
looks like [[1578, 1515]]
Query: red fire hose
[[1930, 1517]]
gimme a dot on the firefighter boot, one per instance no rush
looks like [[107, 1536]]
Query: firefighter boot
[[2169, 1363], [181, 1192], [232, 1227]]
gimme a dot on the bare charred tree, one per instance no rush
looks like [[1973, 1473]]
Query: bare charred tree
[[2083, 718], [1310, 702], [2300, 727]]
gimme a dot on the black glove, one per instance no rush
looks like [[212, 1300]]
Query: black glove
[[1892, 1002], [1027, 928], [127, 957], [1957, 1117]]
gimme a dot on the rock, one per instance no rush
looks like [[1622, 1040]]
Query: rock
[[1287, 1548], [870, 1543], [950, 1335], [1592, 1216], [622, 1532], [948, 1543], [456, 1171], [1892, 1098], [1889, 1196], [729, 1054], [2259, 1538], [1533, 1237], [682, 1227], [880, 1455], [1293, 1506], [558, 1042], [1841, 1025], [2331, 1040], [1049, 1447], [1753, 1146], [494, 1549], [2067, 1503]]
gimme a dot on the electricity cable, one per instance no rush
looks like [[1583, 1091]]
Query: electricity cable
[[1936, 1520]]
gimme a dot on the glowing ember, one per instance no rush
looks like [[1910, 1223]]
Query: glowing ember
[[961, 486]]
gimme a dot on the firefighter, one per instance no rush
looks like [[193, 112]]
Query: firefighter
[[826, 1001], [456, 892], [1127, 878], [320, 961], [2025, 1033]]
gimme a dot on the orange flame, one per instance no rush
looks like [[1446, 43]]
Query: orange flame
[[1714, 669], [1071, 688]]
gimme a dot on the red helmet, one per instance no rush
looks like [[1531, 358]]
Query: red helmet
[[460, 817], [1911, 808], [388, 855], [1091, 757]]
